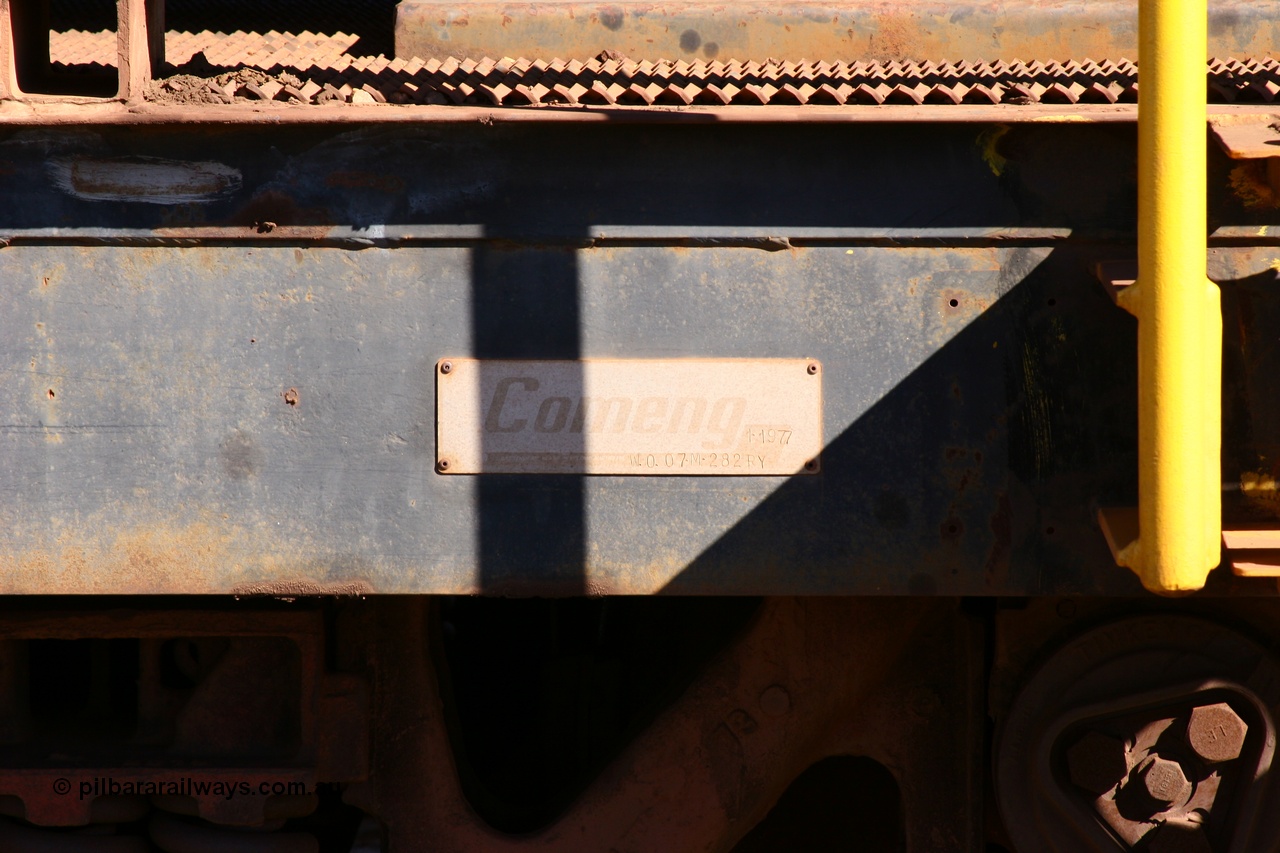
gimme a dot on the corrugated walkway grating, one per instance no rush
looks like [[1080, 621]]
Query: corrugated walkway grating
[[314, 68]]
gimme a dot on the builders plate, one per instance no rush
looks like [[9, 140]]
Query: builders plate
[[674, 417]]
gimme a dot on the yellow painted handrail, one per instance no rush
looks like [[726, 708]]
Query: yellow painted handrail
[[1178, 310]]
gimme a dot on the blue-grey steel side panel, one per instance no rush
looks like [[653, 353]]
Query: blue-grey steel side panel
[[236, 392]]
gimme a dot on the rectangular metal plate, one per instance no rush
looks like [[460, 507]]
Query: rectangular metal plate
[[669, 417]]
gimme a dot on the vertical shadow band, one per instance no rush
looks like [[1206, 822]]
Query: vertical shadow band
[[532, 528]]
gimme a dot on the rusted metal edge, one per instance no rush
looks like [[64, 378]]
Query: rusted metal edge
[[1252, 550], [87, 113], [113, 112], [1114, 274], [1248, 137], [1245, 235], [1119, 526], [766, 238], [1254, 564]]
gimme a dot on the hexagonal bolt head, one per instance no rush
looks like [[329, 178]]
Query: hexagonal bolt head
[[1164, 781], [1096, 762], [1177, 836], [1216, 732]]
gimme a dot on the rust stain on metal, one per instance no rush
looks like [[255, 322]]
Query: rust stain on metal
[[301, 588], [158, 558], [960, 302], [291, 397], [851, 30], [144, 559], [893, 37], [996, 567], [286, 216]]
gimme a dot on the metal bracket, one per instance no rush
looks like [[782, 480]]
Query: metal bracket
[[1255, 137]]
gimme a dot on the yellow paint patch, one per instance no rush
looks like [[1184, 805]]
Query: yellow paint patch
[[1259, 484], [1248, 182], [989, 141]]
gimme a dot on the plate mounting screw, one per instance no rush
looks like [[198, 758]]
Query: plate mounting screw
[[446, 367], [812, 368], [442, 465]]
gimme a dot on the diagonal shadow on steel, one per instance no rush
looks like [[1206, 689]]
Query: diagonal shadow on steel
[[976, 472]]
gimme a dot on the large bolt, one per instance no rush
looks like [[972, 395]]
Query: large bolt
[[1096, 762], [1177, 836], [1163, 781], [1216, 732]]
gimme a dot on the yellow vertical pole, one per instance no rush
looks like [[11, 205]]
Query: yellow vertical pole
[[1178, 309]]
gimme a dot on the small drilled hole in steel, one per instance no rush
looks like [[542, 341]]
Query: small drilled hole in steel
[[1052, 302], [1048, 531], [954, 303]]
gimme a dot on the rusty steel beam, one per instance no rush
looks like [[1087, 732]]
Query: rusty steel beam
[[67, 113], [849, 30], [890, 679]]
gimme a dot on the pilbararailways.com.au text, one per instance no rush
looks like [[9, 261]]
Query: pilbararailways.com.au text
[[182, 786]]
